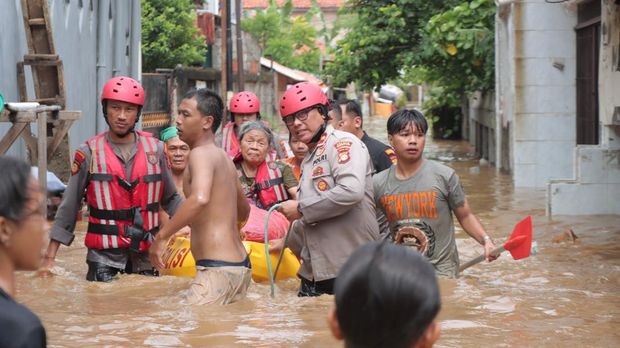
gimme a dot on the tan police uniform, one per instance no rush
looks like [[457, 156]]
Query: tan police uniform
[[336, 201]]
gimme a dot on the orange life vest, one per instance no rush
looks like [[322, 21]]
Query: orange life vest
[[123, 213]]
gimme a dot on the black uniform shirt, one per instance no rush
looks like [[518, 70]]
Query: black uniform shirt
[[382, 155]]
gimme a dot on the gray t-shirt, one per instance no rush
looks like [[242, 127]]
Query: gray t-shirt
[[425, 201]]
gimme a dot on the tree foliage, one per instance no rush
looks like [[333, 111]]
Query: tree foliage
[[383, 40], [457, 49], [170, 35], [289, 41], [447, 42]]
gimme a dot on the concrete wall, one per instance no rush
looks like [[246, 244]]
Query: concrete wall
[[482, 124], [91, 51], [258, 80], [609, 75], [594, 187], [536, 99]]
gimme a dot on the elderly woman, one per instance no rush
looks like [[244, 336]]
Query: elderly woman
[[23, 229], [264, 182]]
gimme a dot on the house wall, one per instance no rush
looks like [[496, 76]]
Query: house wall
[[594, 187], [91, 52], [257, 79], [609, 75], [536, 100]]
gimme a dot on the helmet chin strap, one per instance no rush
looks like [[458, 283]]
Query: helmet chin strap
[[319, 132]]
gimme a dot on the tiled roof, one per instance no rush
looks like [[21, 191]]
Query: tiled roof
[[254, 4]]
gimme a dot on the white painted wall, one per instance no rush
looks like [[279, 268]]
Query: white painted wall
[[594, 187], [543, 103], [609, 75]]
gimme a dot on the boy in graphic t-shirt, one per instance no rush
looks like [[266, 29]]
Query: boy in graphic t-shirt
[[418, 196]]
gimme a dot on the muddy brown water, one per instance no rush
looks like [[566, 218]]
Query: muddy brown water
[[565, 296]]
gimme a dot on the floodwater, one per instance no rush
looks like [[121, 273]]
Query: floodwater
[[567, 295]]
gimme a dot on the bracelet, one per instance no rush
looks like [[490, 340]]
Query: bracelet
[[485, 239]]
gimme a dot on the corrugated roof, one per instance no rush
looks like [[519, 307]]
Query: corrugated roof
[[255, 4], [294, 74]]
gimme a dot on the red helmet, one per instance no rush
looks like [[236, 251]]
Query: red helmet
[[125, 89], [245, 103], [300, 96]]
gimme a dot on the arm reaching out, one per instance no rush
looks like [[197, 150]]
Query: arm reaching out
[[201, 180]]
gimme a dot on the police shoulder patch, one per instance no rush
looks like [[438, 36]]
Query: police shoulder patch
[[391, 155], [78, 159]]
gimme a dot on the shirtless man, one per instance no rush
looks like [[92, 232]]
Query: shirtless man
[[223, 267]]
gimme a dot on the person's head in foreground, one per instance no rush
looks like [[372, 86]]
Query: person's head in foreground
[[407, 134], [386, 296], [22, 233], [22, 224]]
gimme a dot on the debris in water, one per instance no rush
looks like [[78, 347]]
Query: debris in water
[[567, 236]]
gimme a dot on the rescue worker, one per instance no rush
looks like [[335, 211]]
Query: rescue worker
[[124, 175], [382, 155], [335, 206], [244, 107]]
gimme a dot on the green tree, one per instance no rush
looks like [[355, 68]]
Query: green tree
[[290, 41], [458, 47], [169, 34], [383, 40]]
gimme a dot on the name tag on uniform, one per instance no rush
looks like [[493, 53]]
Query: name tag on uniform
[[319, 159]]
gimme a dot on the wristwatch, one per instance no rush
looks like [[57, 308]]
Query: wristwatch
[[485, 239]]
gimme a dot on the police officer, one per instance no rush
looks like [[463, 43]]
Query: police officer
[[123, 174], [382, 155], [335, 208]]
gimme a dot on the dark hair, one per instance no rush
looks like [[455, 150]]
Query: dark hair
[[13, 187], [402, 118], [386, 296], [353, 107], [335, 107], [208, 103]]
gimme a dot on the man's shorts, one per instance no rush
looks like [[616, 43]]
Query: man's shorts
[[220, 282]]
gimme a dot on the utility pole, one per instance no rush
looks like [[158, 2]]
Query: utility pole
[[223, 55], [240, 75], [229, 77]]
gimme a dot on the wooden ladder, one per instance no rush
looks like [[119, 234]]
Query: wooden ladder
[[47, 70], [47, 74]]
